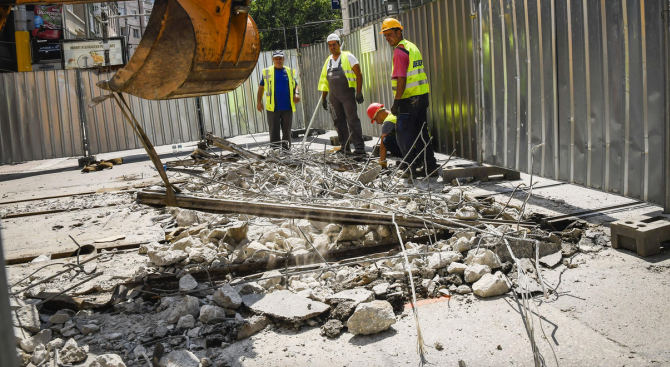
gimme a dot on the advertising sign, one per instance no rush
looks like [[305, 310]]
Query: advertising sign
[[90, 54], [368, 39], [46, 52], [48, 22]]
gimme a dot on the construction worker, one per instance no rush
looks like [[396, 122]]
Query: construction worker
[[280, 99], [387, 141], [340, 83], [410, 87]]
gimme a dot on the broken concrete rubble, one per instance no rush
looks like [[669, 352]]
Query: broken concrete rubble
[[356, 296], [371, 318], [27, 317], [73, 353], [474, 272], [332, 328], [284, 305], [41, 338], [188, 305], [211, 314], [107, 360], [179, 358], [253, 325], [227, 297], [187, 283], [441, 260], [490, 285], [322, 295]]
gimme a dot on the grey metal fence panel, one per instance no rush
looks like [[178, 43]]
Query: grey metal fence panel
[[591, 86], [442, 31], [165, 122], [39, 119]]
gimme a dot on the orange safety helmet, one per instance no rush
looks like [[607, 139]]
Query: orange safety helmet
[[372, 111], [390, 23]]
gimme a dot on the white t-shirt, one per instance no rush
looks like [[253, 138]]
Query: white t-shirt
[[352, 60]]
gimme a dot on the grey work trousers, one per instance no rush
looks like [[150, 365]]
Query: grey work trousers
[[280, 121], [346, 121]]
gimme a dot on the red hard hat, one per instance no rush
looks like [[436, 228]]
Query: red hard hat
[[372, 111]]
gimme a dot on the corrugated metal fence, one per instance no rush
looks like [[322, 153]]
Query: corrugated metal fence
[[45, 115], [443, 32], [39, 123], [587, 78]]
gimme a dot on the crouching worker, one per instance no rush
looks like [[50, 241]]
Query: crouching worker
[[387, 142]]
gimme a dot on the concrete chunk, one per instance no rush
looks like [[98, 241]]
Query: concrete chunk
[[371, 318], [227, 297], [357, 295], [552, 260], [284, 305], [28, 318]]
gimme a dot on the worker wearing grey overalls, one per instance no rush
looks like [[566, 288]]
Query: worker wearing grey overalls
[[341, 76]]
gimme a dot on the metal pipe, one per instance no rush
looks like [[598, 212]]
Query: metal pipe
[[7, 338], [105, 33], [318, 104], [666, 20], [310, 212], [87, 22]]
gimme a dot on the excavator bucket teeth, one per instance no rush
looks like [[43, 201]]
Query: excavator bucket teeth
[[191, 48]]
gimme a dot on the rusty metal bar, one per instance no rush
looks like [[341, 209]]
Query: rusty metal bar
[[232, 147], [293, 211]]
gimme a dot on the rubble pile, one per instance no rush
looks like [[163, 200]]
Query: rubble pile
[[183, 305]]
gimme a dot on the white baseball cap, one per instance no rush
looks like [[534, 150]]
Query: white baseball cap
[[333, 37]]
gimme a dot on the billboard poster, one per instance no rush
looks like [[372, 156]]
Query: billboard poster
[[48, 22], [46, 52], [90, 54]]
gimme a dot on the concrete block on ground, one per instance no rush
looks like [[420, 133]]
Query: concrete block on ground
[[643, 234]]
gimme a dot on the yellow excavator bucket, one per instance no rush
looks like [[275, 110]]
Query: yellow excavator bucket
[[190, 48]]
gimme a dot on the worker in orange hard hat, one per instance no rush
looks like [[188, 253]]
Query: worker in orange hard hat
[[410, 105], [387, 142]]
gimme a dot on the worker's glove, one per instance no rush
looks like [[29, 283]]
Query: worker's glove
[[382, 163], [359, 98], [324, 103], [395, 109]]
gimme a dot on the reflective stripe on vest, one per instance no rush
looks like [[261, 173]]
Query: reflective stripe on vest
[[269, 78], [417, 80], [346, 67]]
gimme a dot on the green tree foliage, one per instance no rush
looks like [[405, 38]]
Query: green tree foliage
[[272, 13]]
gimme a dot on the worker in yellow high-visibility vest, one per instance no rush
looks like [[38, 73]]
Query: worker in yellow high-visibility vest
[[341, 83], [281, 94], [410, 105]]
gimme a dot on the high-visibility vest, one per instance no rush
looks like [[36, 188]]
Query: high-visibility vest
[[346, 66], [269, 78], [391, 117], [417, 80]]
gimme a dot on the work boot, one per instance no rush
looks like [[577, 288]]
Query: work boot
[[403, 172], [433, 172]]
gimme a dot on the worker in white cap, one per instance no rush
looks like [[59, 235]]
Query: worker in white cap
[[281, 94], [341, 83]]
